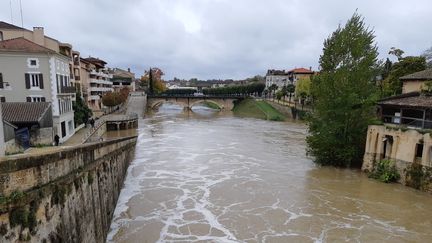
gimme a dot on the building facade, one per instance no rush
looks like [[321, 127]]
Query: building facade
[[299, 73], [96, 81], [405, 136], [33, 73], [278, 77], [122, 79]]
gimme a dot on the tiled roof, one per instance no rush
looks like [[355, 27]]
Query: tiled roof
[[22, 45], [95, 60], [24, 112], [301, 70], [4, 25], [422, 75], [413, 99]]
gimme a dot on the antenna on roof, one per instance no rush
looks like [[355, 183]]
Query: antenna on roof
[[22, 21], [10, 5]]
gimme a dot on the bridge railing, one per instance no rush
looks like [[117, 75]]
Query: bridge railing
[[197, 96]]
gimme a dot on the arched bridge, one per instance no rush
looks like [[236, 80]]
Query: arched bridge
[[188, 101]]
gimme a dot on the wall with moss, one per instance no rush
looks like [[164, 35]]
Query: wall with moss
[[415, 170], [63, 196]]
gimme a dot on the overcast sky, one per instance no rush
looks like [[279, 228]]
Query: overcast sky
[[218, 38]]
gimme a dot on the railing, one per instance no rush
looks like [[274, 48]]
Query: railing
[[197, 96], [98, 124], [67, 89], [100, 81], [408, 121], [101, 89]]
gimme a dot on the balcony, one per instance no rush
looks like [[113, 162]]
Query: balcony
[[94, 97], [101, 89], [100, 81], [67, 90], [100, 74]]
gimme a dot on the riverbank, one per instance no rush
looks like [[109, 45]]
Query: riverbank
[[258, 109]]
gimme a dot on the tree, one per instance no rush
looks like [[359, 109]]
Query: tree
[[428, 56], [396, 52], [405, 66], [81, 111], [343, 94], [273, 89], [303, 89], [151, 88], [290, 89]]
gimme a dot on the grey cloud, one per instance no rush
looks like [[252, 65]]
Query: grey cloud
[[219, 38]]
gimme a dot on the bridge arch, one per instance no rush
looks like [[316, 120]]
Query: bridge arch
[[218, 104], [157, 103]]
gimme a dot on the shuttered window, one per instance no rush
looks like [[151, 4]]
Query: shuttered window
[[1, 81], [34, 80]]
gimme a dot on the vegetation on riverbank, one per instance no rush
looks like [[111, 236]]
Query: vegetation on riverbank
[[344, 95], [257, 109]]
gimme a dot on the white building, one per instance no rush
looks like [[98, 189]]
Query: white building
[[278, 77], [33, 73]]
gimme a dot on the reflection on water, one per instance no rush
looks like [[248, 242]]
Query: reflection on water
[[209, 176]]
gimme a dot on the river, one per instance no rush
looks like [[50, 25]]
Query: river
[[213, 177]]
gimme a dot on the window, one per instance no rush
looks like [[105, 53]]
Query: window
[[1, 36], [35, 99], [34, 81], [33, 62], [2, 99], [419, 150]]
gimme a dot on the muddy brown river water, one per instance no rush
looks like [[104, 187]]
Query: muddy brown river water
[[212, 177]]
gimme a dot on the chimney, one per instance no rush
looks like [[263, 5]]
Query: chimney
[[128, 69], [39, 36], [310, 68]]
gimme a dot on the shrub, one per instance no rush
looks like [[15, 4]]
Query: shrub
[[385, 171]]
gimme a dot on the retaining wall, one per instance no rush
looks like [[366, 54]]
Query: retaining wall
[[63, 196]]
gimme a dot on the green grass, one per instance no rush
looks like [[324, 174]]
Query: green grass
[[271, 113], [257, 109]]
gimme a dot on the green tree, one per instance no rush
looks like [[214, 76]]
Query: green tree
[[273, 89], [343, 94], [303, 88], [405, 66], [428, 56], [81, 111], [290, 89]]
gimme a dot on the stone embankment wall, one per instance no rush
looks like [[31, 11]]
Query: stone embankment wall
[[286, 110], [409, 149], [63, 196]]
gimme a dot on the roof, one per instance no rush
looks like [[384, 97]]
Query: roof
[[422, 75], [276, 72], [412, 99], [120, 73], [95, 61], [301, 70], [4, 25], [24, 112], [21, 44]]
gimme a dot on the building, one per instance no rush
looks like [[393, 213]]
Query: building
[[278, 77], [416, 81], [299, 73], [27, 123], [122, 79], [33, 73], [9, 31], [96, 81], [405, 136]]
